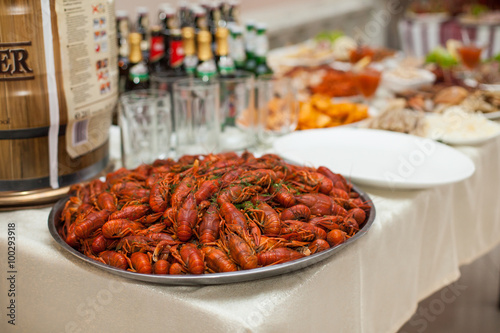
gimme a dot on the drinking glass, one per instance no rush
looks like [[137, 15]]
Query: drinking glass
[[237, 111], [367, 81], [469, 52], [277, 108], [145, 125], [196, 116], [164, 81]]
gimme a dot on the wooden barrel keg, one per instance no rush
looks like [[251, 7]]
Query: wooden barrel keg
[[58, 86]]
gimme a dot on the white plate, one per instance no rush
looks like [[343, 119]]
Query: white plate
[[287, 56], [377, 158], [492, 115], [456, 139], [395, 83], [467, 141]]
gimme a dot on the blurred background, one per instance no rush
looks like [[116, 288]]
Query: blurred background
[[293, 21]]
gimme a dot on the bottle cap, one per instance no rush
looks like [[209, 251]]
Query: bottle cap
[[142, 10], [167, 9], [121, 13], [250, 23], [261, 26], [175, 32], [197, 10], [237, 29], [155, 28]]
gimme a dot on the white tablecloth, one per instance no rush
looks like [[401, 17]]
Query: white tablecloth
[[416, 245]]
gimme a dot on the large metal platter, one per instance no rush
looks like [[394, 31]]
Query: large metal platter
[[215, 278]]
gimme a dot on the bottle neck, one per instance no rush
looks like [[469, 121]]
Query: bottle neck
[[123, 28], [250, 41], [135, 55], [234, 15], [200, 23], [142, 23], [188, 46], [123, 48], [261, 45], [205, 51], [222, 47], [168, 23], [214, 17], [185, 17], [237, 48]]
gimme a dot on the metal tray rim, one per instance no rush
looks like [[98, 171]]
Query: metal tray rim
[[213, 278]]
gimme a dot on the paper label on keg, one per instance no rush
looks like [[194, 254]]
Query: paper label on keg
[[87, 37]]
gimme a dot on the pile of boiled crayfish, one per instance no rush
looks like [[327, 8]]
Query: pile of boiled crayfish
[[211, 214]]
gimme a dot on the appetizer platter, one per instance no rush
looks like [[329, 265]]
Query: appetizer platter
[[332, 48], [457, 127], [438, 97], [211, 219], [454, 125], [321, 112], [322, 80]]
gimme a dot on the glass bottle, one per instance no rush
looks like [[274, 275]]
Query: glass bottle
[[224, 12], [200, 19], [142, 27], [250, 36], [188, 44], [176, 53], [157, 52], [261, 49], [214, 18], [237, 46], [167, 18], [234, 12], [123, 30], [206, 68], [185, 15], [225, 64], [138, 75]]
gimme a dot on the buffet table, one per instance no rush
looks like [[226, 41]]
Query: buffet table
[[415, 247]]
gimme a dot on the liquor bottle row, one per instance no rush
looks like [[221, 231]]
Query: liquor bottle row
[[185, 42]]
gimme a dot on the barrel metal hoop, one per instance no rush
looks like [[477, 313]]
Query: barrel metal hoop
[[64, 180], [29, 133]]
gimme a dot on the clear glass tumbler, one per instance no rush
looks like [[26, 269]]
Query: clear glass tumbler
[[145, 124], [237, 111], [277, 108], [196, 116], [164, 81]]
